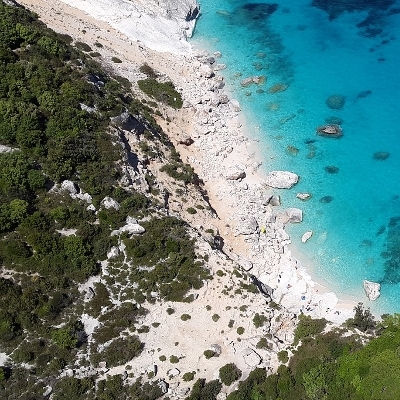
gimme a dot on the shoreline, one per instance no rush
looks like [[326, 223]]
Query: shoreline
[[219, 149]]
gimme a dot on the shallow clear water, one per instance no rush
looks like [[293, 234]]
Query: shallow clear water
[[318, 53]]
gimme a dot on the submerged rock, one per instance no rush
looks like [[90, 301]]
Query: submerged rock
[[372, 290], [326, 199], [279, 87], [331, 169], [381, 155], [336, 102]]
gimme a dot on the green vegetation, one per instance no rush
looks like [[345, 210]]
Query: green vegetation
[[203, 390], [240, 330], [229, 373], [188, 376], [185, 317], [209, 353], [55, 109], [215, 317], [259, 320], [162, 91]]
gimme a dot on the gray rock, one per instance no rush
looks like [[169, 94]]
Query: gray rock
[[372, 290], [127, 122], [281, 179], [303, 196], [295, 215], [109, 202], [69, 187], [275, 201], [47, 391], [173, 372], [163, 386], [216, 348], [336, 101], [251, 358], [235, 105], [247, 227], [235, 174]]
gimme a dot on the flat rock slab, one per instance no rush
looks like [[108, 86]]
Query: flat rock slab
[[251, 358]]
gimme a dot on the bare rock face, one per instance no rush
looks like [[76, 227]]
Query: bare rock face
[[160, 25], [251, 358], [281, 179], [372, 290]]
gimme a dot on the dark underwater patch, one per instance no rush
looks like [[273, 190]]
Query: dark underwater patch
[[392, 252], [259, 10]]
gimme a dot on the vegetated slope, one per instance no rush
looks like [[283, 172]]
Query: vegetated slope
[[67, 184]]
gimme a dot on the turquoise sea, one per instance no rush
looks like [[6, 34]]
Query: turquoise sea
[[313, 50]]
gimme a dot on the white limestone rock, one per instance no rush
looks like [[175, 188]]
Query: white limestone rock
[[303, 196], [372, 290], [109, 202], [251, 358], [173, 372], [69, 187], [306, 236], [281, 179], [295, 215], [235, 105]]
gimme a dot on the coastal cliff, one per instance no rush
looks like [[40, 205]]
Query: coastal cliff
[[159, 25]]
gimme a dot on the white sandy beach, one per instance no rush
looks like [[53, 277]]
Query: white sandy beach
[[253, 229]]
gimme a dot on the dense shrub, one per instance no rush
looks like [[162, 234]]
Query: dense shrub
[[229, 373], [164, 92]]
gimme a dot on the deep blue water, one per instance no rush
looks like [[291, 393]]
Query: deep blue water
[[317, 49]]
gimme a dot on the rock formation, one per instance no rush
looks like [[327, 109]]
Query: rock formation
[[372, 290], [281, 179]]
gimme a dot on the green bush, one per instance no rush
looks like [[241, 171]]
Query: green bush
[[229, 373], [307, 327], [116, 60], [188, 376], [283, 356], [259, 320], [147, 70], [185, 317], [240, 330], [164, 92], [173, 359], [191, 210], [208, 354], [215, 317], [83, 46]]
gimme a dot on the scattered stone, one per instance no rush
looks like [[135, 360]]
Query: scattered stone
[[216, 348], [235, 105], [131, 227], [109, 202], [307, 235], [274, 201], [47, 391], [279, 87], [303, 196], [295, 215], [114, 252], [247, 227], [183, 391], [372, 289], [251, 358], [334, 131], [381, 155], [235, 174], [163, 386], [173, 372], [336, 102], [186, 140], [69, 187], [281, 179]]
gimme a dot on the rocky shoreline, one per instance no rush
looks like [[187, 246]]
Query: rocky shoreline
[[222, 155]]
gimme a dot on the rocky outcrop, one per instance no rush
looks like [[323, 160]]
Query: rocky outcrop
[[295, 215], [281, 179], [330, 131], [251, 358], [306, 236], [372, 290]]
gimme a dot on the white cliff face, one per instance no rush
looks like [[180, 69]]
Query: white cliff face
[[161, 25]]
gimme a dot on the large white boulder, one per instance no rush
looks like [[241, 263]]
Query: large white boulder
[[281, 179], [372, 290], [294, 214]]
